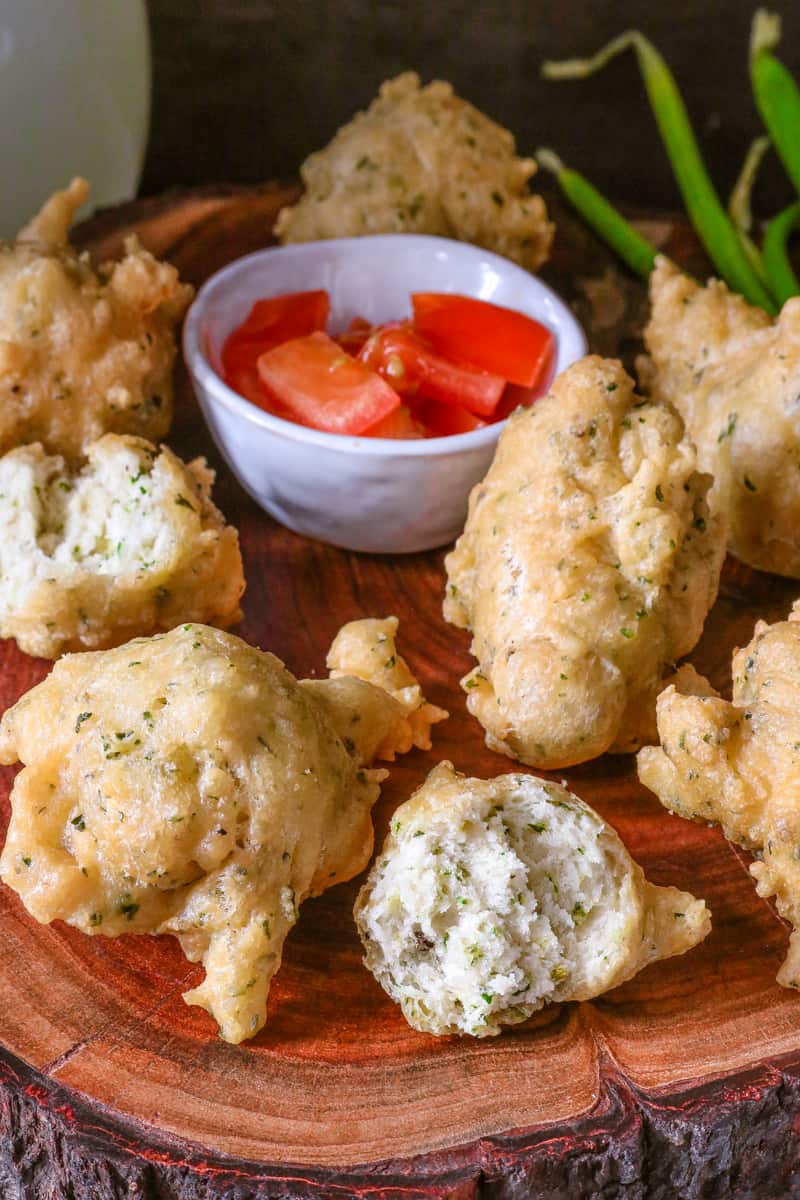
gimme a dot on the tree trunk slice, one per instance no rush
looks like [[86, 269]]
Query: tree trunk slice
[[684, 1082]]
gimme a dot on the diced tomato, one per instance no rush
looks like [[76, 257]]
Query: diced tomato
[[355, 335], [325, 388], [239, 356], [522, 397], [281, 318], [513, 397], [403, 358], [398, 424], [446, 374], [270, 322], [247, 383], [442, 420], [482, 335]]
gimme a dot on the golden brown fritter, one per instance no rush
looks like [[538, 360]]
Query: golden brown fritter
[[587, 566], [128, 545], [737, 763], [421, 160], [83, 352], [734, 376], [188, 784]]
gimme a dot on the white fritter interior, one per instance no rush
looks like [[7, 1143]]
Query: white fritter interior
[[109, 520], [477, 922]]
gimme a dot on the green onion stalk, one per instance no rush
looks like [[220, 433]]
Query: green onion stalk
[[776, 93], [780, 273], [706, 212], [611, 226]]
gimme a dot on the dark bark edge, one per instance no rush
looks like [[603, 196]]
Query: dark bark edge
[[734, 1139]]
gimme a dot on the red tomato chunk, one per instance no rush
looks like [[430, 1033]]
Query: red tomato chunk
[[281, 318], [270, 322], [325, 388], [398, 424], [483, 335], [401, 357], [461, 364], [442, 420], [355, 335]]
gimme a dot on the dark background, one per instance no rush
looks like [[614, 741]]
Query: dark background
[[243, 90]]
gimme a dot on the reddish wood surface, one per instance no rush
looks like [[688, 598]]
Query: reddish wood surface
[[684, 1082]]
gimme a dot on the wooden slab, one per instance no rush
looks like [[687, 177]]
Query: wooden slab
[[684, 1082]]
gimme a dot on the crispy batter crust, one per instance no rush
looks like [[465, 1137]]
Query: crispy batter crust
[[421, 160], [586, 567], [83, 352], [734, 376], [737, 763], [188, 784]]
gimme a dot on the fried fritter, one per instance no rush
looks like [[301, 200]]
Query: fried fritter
[[126, 546], [737, 764], [83, 352], [492, 898], [421, 160], [587, 566], [366, 650], [734, 375], [188, 784]]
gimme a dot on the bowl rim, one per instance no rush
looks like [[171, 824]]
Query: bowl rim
[[215, 387]]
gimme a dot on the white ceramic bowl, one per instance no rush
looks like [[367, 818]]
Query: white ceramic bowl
[[372, 494]]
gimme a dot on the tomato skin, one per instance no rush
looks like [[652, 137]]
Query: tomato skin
[[398, 354], [484, 336], [323, 387], [356, 334], [246, 381], [270, 322], [444, 420], [399, 424], [520, 397], [280, 318]]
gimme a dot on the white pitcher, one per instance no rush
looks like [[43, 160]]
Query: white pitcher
[[74, 100]]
